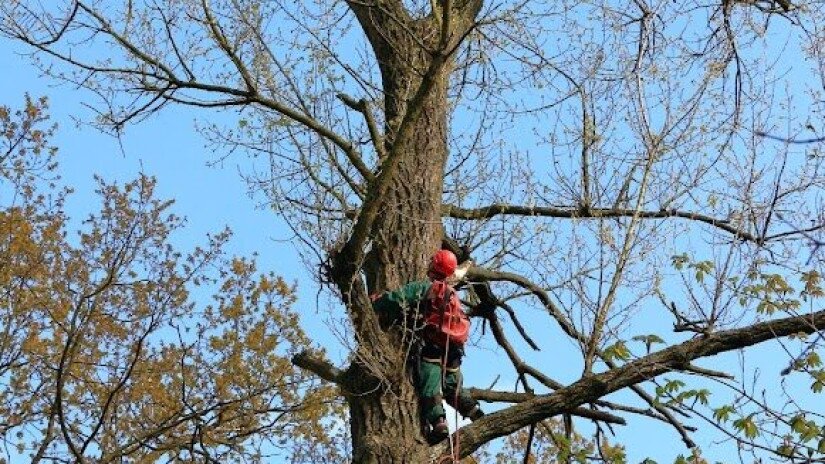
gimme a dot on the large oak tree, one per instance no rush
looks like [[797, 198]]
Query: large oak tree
[[604, 161]]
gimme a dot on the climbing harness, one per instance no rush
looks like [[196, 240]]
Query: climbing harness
[[444, 318]]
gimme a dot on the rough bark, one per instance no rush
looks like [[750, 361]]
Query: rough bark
[[384, 409]]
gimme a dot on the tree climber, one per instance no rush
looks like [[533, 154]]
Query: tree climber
[[436, 309]]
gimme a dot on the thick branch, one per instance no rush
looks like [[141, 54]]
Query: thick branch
[[498, 209], [593, 387], [318, 366], [372, 15], [478, 273], [658, 412], [511, 397]]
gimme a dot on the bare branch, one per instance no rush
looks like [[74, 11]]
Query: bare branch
[[791, 140], [512, 397], [321, 367], [220, 38], [486, 212], [706, 372], [375, 134], [477, 273]]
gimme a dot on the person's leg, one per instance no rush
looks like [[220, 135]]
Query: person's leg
[[429, 390], [430, 393], [455, 393]]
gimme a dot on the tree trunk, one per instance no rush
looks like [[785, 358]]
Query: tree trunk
[[408, 229], [385, 418], [384, 408], [385, 426]]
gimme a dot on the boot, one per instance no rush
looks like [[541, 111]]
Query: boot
[[439, 431]]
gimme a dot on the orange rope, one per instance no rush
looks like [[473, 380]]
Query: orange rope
[[459, 381], [454, 449], [444, 382]]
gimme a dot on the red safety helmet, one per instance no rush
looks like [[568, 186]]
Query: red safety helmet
[[443, 264]]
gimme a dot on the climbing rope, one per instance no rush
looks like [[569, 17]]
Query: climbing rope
[[444, 384], [454, 457]]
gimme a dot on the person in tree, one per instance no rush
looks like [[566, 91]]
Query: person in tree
[[433, 307]]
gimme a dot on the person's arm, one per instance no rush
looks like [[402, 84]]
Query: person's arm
[[395, 302]]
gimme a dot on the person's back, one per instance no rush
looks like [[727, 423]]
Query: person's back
[[444, 321]]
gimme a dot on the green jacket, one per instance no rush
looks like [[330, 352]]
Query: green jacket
[[394, 303]]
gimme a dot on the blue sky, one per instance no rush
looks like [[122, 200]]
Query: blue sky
[[168, 147]]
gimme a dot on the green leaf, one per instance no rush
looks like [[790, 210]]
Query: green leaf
[[798, 423], [812, 282], [702, 396], [673, 385], [679, 261], [809, 432], [702, 268], [746, 426], [766, 307], [819, 377], [617, 350], [648, 339], [785, 450]]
